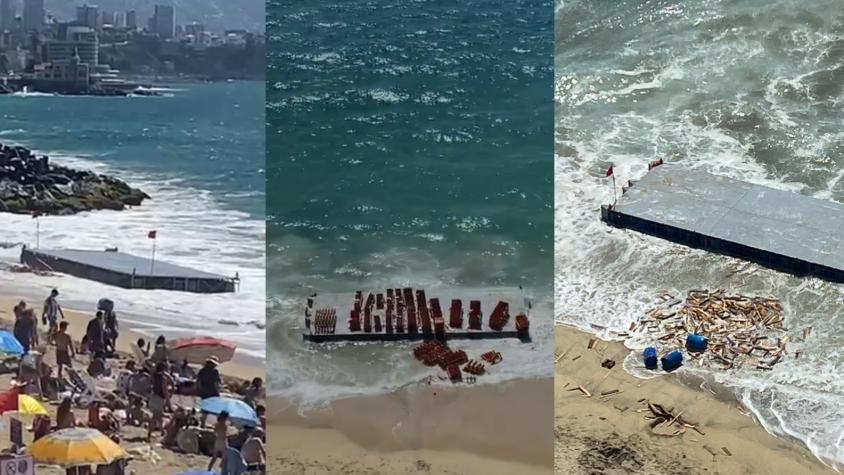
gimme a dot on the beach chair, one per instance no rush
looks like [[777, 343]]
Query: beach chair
[[84, 386]]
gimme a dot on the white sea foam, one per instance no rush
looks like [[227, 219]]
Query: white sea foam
[[194, 230]]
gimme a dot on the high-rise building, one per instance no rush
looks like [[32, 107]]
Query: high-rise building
[[33, 15], [74, 40], [7, 14], [88, 15], [163, 22], [118, 20], [131, 19]]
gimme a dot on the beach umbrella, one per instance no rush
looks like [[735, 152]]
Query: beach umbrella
[[28, 405], [75, 446], [196, 350], [240, 412], [9, 344]]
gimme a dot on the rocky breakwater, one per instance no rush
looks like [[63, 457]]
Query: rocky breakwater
[[30, 184]]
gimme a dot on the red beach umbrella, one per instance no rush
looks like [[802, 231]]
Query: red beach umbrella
[[196, 350]]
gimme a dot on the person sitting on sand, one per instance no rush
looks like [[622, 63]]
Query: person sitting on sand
[[124, 376], [221, 439], [253, 392], [94, 334], [64, 415], [98, 365], [176, 423], [102, 419], [25, 327], [64, 348], [253, 450], [137, 415], [186, 371], [50, 314], [162, 387]]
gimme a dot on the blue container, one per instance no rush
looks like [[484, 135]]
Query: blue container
[[650, 358], [672, 361], [696, 343]]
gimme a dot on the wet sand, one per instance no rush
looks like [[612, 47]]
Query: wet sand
[[609, 434], [485, 429]]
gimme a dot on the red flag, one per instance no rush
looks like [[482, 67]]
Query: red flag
[[610, 171], [9, 401], [152, 234]]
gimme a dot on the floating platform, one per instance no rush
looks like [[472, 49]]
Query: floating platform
[[782, 230], [127, 271], [410, 314]]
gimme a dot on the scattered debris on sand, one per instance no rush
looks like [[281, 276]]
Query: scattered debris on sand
[[741, 330]]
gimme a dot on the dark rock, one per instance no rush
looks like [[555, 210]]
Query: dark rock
[[29, 183]]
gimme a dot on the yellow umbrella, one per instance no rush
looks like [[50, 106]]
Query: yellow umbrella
[[28, 405], [75, 446]]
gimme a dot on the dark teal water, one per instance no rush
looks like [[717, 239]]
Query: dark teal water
[[199, 152], [407, 142]]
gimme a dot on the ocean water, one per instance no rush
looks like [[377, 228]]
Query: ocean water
[[752, 90], [409, 143], [198, 152]]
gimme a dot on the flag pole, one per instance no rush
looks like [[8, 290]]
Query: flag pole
[[37, 232], [614, 191], [152, 263]]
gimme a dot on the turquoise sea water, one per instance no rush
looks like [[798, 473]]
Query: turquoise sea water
[[407, 142], [199, 152]]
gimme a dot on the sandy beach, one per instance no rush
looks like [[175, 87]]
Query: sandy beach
[[494, 429], [146, 458], [609, 434]]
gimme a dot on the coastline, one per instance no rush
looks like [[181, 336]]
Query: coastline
[[606, 432], [242, 366], [418, 428]]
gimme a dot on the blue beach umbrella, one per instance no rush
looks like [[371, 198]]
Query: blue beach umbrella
[[9, 344], [239, 411]]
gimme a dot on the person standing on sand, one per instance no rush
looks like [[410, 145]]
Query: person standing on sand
[[111, 332], [208, 383], [221, 439], [51, 313], [162, 386], [94, 334], [25, 326], [64, 348]]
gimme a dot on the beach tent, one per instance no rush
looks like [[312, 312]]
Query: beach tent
[[9, 344], [196, 350], [74, 447], [240, 413]]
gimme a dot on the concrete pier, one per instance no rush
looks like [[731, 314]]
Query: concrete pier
[[782, 230], [126, 270]]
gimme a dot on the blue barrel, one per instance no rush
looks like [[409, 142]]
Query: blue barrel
[[650, 358], [696, 343], [672, 361]]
